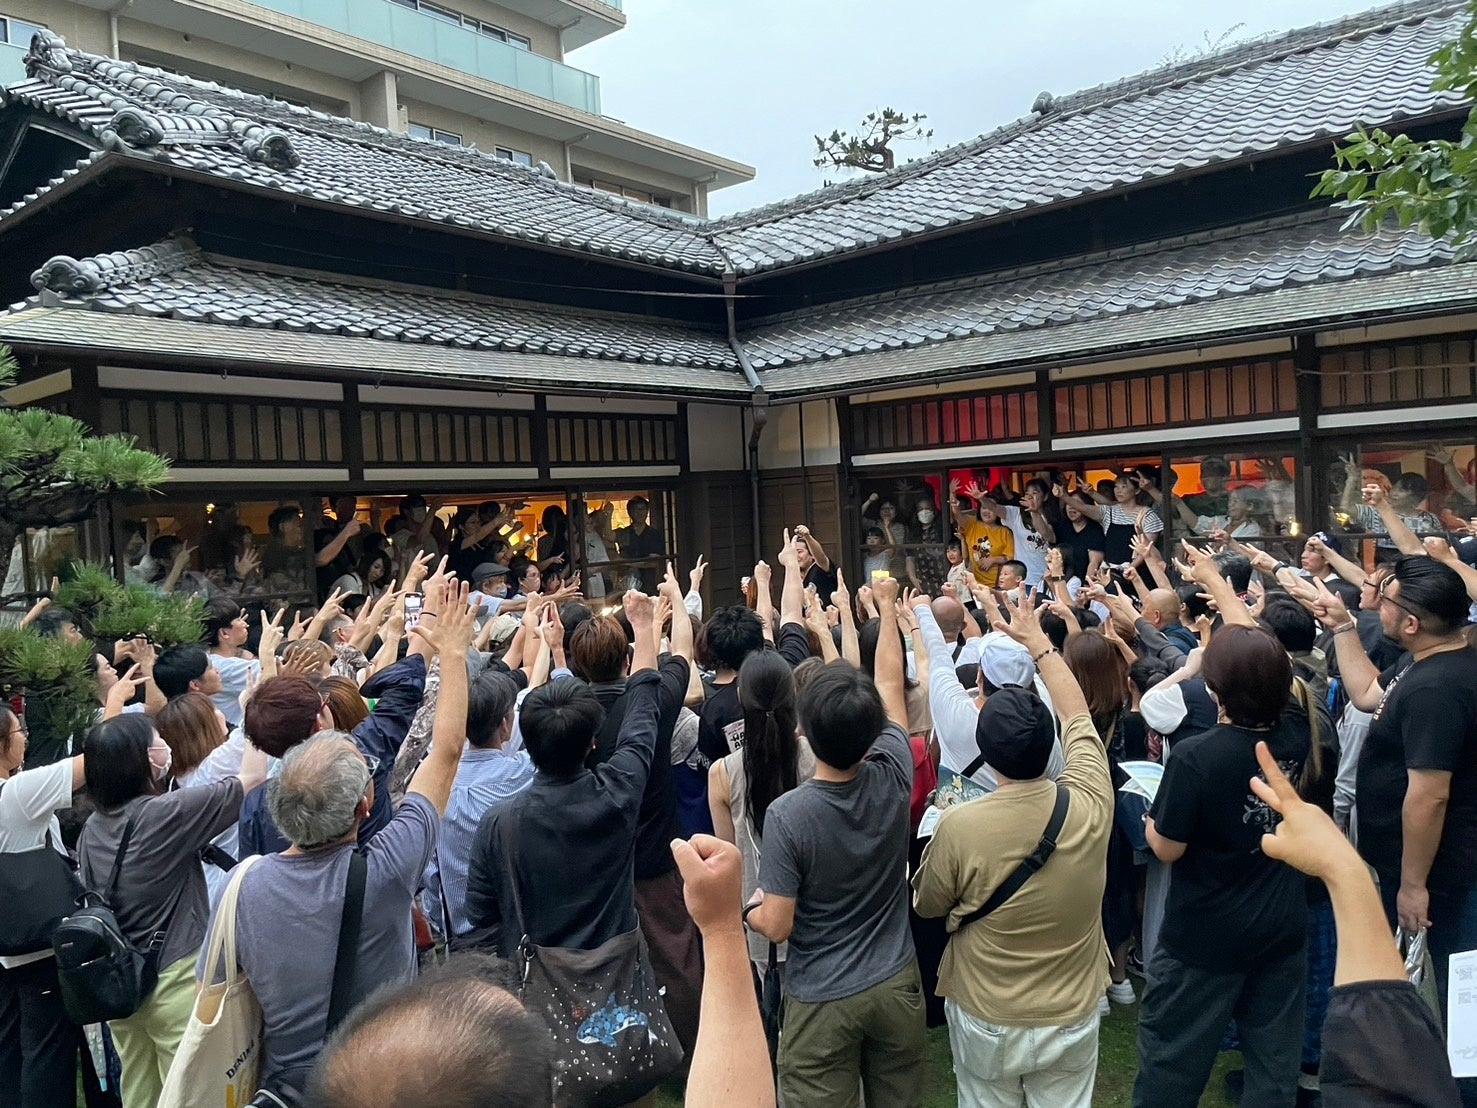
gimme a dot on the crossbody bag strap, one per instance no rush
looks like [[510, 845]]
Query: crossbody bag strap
[[510, 852], [118, 859], [341, 997], [1029, 865], [973, 767]]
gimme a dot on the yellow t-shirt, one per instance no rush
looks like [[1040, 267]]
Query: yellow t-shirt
[[986, 540]]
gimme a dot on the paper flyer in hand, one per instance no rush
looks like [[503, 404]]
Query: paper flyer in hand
[[953, 788], [1143, 779], [1461, 1014]]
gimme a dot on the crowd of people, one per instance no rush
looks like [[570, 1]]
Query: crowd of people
[[363, 560], [481, 849]]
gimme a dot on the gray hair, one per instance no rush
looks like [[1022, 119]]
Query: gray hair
[[340, 622], [312, 800]]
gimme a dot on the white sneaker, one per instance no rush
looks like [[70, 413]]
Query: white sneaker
[[1121, 992], [1103, 1007]]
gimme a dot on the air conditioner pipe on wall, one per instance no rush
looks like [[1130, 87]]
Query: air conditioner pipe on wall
[[758, 407]]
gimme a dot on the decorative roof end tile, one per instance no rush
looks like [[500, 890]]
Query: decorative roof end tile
[[48, 52]]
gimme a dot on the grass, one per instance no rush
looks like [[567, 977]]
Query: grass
[[1117, 1065]]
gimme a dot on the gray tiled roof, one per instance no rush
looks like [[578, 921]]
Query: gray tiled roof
[[1275, 276], [1226, 263], [176, 280], [196, 125], [1314, 83]]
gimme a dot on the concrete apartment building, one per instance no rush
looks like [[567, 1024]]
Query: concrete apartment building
[[464, 72]]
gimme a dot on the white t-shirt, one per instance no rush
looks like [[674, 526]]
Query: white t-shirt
[[1030, 545], [28, 804], [235, 676], [222, 762]]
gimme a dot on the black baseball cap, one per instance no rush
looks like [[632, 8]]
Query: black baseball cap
[[1015, 733]]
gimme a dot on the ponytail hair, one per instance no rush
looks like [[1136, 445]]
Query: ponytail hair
[[767, 692]]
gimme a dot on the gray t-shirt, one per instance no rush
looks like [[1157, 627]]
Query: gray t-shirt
[[287, 924], [840, 848], [161, 886]]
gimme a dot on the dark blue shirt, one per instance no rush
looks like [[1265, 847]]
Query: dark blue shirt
[[398, 690]]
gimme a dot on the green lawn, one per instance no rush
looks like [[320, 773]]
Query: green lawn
[[1117, 1064]]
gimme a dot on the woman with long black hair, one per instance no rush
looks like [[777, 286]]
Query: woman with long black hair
[[161, 888], [773, 760]]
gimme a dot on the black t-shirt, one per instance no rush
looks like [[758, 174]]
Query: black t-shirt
[[1427, 719], [824, 581], [721, 721], [1382, 1046], [1077, 546], [1230, 906], [658, 826]]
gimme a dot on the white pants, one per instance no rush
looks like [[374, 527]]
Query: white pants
[[1006, 1067]]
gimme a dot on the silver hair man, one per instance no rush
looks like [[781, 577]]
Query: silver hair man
[[315, 797]]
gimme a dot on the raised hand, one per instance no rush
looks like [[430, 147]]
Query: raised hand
[[695, 578], [419, 567], [1054, 564], [124, 691], [712, 882], [1020, 620], [299, 624], [1372, 494], [886, 591], [246, 564], [1329, 607], [762, 574], [842, 596], [974, 492], [184, 554], [450, 633], [1440, 549], [639, 610], [669, 589], [787, 555]]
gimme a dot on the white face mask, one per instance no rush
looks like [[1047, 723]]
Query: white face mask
[[925, 517], [160, 771]]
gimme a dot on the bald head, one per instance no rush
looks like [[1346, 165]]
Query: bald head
[[1162, 609], [452, 1039], [317, 798], [949, 614]]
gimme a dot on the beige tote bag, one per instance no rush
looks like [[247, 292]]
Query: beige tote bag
[[219, 1059]]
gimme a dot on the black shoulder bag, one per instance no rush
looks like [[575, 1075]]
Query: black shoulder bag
[[1029, 865], [103, 975], [289, 1088], [39, 890], [613, 1042]]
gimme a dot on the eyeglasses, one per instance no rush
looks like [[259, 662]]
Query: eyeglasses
[[1384, 596], [372, 763]]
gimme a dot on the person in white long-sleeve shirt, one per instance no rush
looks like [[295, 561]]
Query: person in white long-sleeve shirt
[[956, 710]]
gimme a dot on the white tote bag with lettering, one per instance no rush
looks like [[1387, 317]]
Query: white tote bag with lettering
[[219, 1059]]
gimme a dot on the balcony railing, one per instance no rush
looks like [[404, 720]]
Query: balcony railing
[[425, 36]]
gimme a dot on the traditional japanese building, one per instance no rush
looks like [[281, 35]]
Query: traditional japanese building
[[294, 306]]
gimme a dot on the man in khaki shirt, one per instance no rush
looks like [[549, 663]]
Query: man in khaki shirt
[[1022, 985]]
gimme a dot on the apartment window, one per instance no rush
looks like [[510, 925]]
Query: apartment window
[[17, 32], [435, 134], [450, 15], [521, 157], [641, 196]]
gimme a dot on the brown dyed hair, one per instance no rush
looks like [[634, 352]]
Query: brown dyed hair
[[189, 725], [1250, 674], [1103, 675], [344, 701], [597, 649], [282, 713]]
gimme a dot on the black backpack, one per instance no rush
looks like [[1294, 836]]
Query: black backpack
[[103, 975]]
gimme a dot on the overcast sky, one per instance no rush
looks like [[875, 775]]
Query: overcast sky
[[755, 80]]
